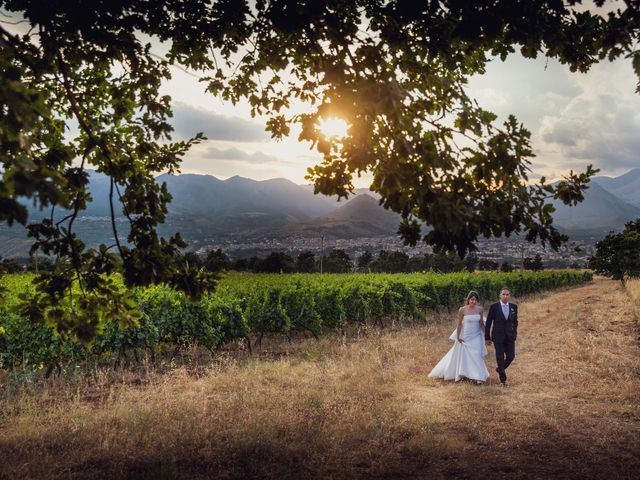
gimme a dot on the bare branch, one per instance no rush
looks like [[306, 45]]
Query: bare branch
[[113, 217], [85, 127]]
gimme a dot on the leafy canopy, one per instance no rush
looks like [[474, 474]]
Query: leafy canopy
[[395, 70], [618, 254]]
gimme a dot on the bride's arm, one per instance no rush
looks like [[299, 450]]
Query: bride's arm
[[459, 329]]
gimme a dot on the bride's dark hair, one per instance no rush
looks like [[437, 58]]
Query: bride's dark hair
[[472, 293]]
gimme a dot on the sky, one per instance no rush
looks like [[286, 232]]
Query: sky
[[236, 143], [575, 120]]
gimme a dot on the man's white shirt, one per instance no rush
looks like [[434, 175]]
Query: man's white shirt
[[505, 309]]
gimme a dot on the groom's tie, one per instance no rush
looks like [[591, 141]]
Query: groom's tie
[[505, 310]]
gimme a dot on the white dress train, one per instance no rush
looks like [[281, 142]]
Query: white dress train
[[465, 360]]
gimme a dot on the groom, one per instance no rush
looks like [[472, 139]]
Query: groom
[[503, 317]]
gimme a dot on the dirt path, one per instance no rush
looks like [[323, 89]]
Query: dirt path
[[572, 408]]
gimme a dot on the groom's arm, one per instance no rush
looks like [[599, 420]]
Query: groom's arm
[[515, 321], [487, 327]]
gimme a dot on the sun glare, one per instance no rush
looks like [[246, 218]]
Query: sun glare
[[333, 127]]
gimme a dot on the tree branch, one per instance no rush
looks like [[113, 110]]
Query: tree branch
[[113, 217], [85, 127]]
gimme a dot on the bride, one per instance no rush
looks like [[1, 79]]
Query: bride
[[466, 357]]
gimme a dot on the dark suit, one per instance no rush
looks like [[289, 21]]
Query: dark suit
[[503, 335]]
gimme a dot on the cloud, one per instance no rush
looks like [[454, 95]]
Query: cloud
[[189, 120], [599, 125], [526, 88], [236, 154], [222, 168]]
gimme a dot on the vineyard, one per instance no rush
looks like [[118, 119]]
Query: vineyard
[[246, 308]]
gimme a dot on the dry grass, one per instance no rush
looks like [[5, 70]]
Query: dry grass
[[633, 290], [356, 407]]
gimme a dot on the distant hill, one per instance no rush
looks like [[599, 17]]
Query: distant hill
[[204, 205], [362, 216], [599, 213], [626, 187], [238, 204], [207, 196], [357, 191], [205, 208], [99, 186]]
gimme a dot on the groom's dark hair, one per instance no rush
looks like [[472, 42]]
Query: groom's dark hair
[[505, 288]]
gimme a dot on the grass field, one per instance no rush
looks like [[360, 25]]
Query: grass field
[[354, 406]]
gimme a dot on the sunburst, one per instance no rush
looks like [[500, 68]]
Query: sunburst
[[333, 127]]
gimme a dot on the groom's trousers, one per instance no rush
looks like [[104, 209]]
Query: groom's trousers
[[505, 353]]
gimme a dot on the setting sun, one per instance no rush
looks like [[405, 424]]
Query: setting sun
[[333, 127]]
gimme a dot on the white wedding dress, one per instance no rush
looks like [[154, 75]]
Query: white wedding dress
[[465, 360]]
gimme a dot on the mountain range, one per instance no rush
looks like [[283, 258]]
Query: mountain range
[[205, 208], [599, 212], [626, 187]]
